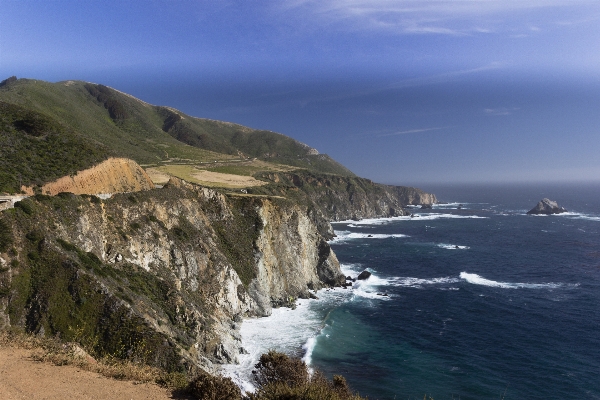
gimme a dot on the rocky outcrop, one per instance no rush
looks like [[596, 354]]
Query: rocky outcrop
[[162, 276], [547, 207], [115, 175], [363, 275]]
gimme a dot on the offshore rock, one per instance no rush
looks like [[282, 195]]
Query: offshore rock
[[363, 275], [547, 207]]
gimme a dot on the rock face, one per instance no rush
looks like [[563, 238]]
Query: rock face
[[337, 198], [547, 207], [115, 175], [162, 276]]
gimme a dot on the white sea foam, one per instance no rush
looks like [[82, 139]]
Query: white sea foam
[[420, 282], [452, 246], [286, 330], [479, 280], [570, 215], [343, 236], [308, 348], [414, 217], [574, 215]]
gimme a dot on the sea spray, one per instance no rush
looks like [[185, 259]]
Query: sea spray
[[295, 332]]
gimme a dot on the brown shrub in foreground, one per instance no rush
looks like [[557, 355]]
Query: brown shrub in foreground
[[208, 387], [280, 377]]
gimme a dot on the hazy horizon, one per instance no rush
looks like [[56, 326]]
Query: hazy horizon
[[400, 92]]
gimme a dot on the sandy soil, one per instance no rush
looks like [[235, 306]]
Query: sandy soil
[[23, 378]]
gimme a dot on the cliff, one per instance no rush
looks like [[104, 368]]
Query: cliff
[[337, 198], [162, 276], [115, 175]]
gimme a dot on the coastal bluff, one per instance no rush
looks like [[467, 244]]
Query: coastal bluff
[[546, 207], [162, 276]]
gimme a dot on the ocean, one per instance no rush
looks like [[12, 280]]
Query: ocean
[[473, 299]]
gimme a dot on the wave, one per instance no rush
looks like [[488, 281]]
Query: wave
[[575, 215], [343, 236], [479, 280], [420, 282], [414, 217], [289, 331], [452, 246], [308, 348], [369, 287], [570, 215]]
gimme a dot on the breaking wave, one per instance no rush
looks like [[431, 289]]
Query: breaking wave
[[452, 246], [414, 217], [343, 236], [479, 280]]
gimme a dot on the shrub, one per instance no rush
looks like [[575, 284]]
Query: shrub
[[208, 387], [274, 368], [281, 377], [6, 238]]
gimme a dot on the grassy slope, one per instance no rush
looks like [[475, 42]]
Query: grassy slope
[[153, 135], [138, 136]]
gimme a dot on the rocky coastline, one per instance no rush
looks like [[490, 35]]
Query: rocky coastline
[[166, 276]]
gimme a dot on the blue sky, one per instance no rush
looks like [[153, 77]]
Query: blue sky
[[399, 91]]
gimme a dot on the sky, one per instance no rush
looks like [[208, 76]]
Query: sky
[[401, 92]]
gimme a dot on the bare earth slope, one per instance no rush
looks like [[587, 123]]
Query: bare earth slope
[[115, 175], [23, 378]]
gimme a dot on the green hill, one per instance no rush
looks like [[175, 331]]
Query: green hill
[[36, 148], [91, 116]]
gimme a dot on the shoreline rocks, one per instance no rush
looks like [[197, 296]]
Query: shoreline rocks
[[363, 275], [546, 207]]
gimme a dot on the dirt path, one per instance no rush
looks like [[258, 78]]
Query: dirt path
[[23, 378]]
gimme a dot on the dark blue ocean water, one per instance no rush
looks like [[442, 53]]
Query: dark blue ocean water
[[483, 302]]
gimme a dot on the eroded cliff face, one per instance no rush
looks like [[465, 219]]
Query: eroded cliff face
[[290, 261], [337, 198], [164, 275]]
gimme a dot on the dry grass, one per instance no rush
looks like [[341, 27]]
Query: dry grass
[[218, 173], [194, 174], [53, 351]]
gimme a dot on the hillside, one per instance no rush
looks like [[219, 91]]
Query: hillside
[[163, 271], [36, 148], [91, 114]]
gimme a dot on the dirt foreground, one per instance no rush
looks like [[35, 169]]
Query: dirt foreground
[[23, 378]]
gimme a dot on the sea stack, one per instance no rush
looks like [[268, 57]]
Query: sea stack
[[547, 207]]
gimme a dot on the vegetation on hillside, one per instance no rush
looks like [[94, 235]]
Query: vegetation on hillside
[[154, 135], [36, 148], [128, 127]]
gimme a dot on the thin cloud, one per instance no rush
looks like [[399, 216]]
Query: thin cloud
[[411, 131], [452, 17], [500, 111]]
